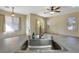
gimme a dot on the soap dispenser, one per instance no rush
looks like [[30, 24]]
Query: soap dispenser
[[33, 35]]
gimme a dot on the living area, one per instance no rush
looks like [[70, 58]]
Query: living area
[[39, 29]]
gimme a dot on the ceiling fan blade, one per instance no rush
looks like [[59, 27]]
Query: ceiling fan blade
[[57, 8], [57, 11]]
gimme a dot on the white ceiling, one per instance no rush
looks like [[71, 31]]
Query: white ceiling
[[39, 10]]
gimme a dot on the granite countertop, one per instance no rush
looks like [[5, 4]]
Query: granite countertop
[[70, 43], [10, 45]]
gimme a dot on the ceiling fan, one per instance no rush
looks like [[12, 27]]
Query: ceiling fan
[[12, 10], [52, 10]]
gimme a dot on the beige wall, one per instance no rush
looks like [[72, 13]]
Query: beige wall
[[59, 24], [1, 23], [34, 25], [22, 22]]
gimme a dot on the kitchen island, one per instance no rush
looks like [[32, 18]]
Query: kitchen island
[[14, 44]]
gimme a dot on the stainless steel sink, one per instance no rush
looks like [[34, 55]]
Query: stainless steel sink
[[41, 45], [39, 42]]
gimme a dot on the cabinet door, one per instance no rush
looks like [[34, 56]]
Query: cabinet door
[[2, 20]]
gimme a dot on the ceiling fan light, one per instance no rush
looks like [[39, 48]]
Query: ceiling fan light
[[52, 12], [12, 14]]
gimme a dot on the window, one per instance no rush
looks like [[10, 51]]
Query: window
[[11, 24], [71, 21]]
